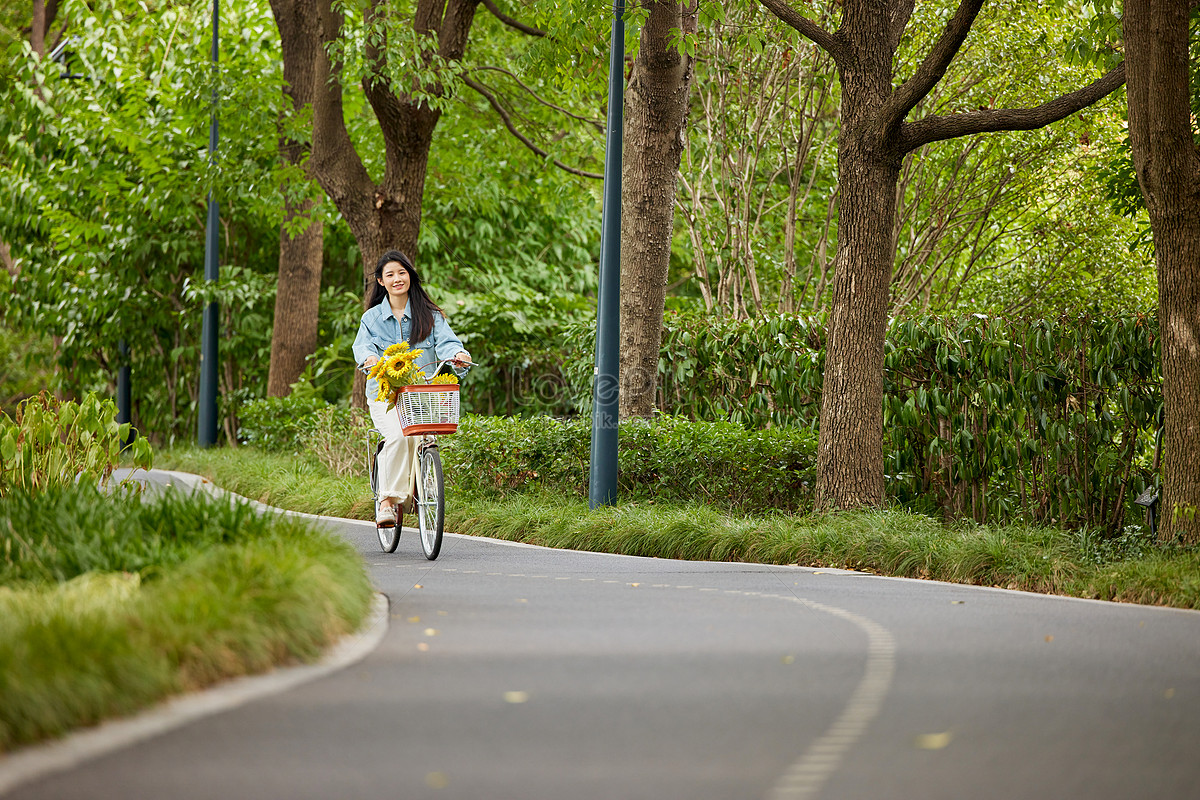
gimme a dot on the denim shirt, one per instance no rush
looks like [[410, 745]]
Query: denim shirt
[[379, 329]]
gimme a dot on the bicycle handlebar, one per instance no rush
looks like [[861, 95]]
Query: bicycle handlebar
[[465, 365]]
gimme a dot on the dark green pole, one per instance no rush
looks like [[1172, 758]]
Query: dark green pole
[[124, 395], [207, 434], [602, 480]]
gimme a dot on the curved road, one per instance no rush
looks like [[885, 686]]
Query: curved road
[[517, 672]]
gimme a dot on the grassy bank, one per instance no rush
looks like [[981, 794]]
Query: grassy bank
[[133, 600], [1038, 559]]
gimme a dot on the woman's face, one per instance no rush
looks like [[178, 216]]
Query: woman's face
[[395, 280]]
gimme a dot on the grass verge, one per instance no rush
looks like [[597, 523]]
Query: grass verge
[[896, 543], [151, 598]]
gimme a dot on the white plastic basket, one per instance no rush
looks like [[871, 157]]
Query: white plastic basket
[[428, 409]]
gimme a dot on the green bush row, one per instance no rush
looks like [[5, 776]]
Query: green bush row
[[669, 459], [110, 603], [68, 531], [990, 419], [1130, 568]]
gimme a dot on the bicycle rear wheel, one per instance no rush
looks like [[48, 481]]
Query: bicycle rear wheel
[[389, 537], [431, 501]]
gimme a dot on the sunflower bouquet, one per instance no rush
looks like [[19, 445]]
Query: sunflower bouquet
[[397, 368]]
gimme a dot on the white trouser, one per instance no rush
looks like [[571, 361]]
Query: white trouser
[[397, 463]]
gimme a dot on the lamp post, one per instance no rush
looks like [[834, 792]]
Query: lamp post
[[124, 395], [207, 433], [602, 478]]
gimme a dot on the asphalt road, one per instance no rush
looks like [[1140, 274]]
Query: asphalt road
[[516, 672]]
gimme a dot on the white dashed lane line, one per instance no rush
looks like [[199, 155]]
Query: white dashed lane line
[[809, 772]]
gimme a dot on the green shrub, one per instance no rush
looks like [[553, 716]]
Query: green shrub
[[67, 531], [110, 603], [274, 424], [336, 436], [670, 460], [1050, 420], [53, 443]]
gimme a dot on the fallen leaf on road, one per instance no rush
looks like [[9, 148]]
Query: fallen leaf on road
[[431, 632], [414, 619], [934, 741], [789, 659], [437, 780], [1169, 693], [516, 697], [1049, 638]]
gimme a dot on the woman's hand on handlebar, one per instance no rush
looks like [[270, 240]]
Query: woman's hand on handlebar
[[462, 359], [370, 362]]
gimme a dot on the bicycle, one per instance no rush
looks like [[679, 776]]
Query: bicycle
[[428, 410]]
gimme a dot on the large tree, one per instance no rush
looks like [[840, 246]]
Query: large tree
[[1163, 136], [875, 137]]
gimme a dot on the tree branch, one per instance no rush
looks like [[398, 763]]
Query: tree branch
[[822, 38], [901, 14], [934, 67], [333, 161], [508, 123], [509, 21], [386, 105], [936, 128], [595, 123], [455, 29]]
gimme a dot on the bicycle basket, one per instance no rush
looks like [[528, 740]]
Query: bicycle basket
[[428, 409]]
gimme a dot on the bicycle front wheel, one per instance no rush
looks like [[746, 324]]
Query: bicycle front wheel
[[431, 501], [389, 537]]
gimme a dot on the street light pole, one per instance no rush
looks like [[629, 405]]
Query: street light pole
[[207, 433], [602, 479]]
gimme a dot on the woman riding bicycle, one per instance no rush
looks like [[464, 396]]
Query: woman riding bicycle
[[400, 311]]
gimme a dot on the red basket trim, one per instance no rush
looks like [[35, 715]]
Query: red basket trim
[[435, 428], [433, 387]]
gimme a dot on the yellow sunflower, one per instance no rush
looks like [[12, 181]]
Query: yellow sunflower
[[399, 347]]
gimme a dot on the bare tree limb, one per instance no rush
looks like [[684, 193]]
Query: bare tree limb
[[934, 67], [595, 123], [506, 118], [827, 41], [510, 22], [935, 128]]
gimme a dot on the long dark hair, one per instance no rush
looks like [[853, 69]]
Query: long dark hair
[[420, 307]]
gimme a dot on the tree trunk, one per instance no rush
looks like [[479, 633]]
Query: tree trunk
[[297, 300], [44, 13], [850, 437], [656, 105], [1168, 169]]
